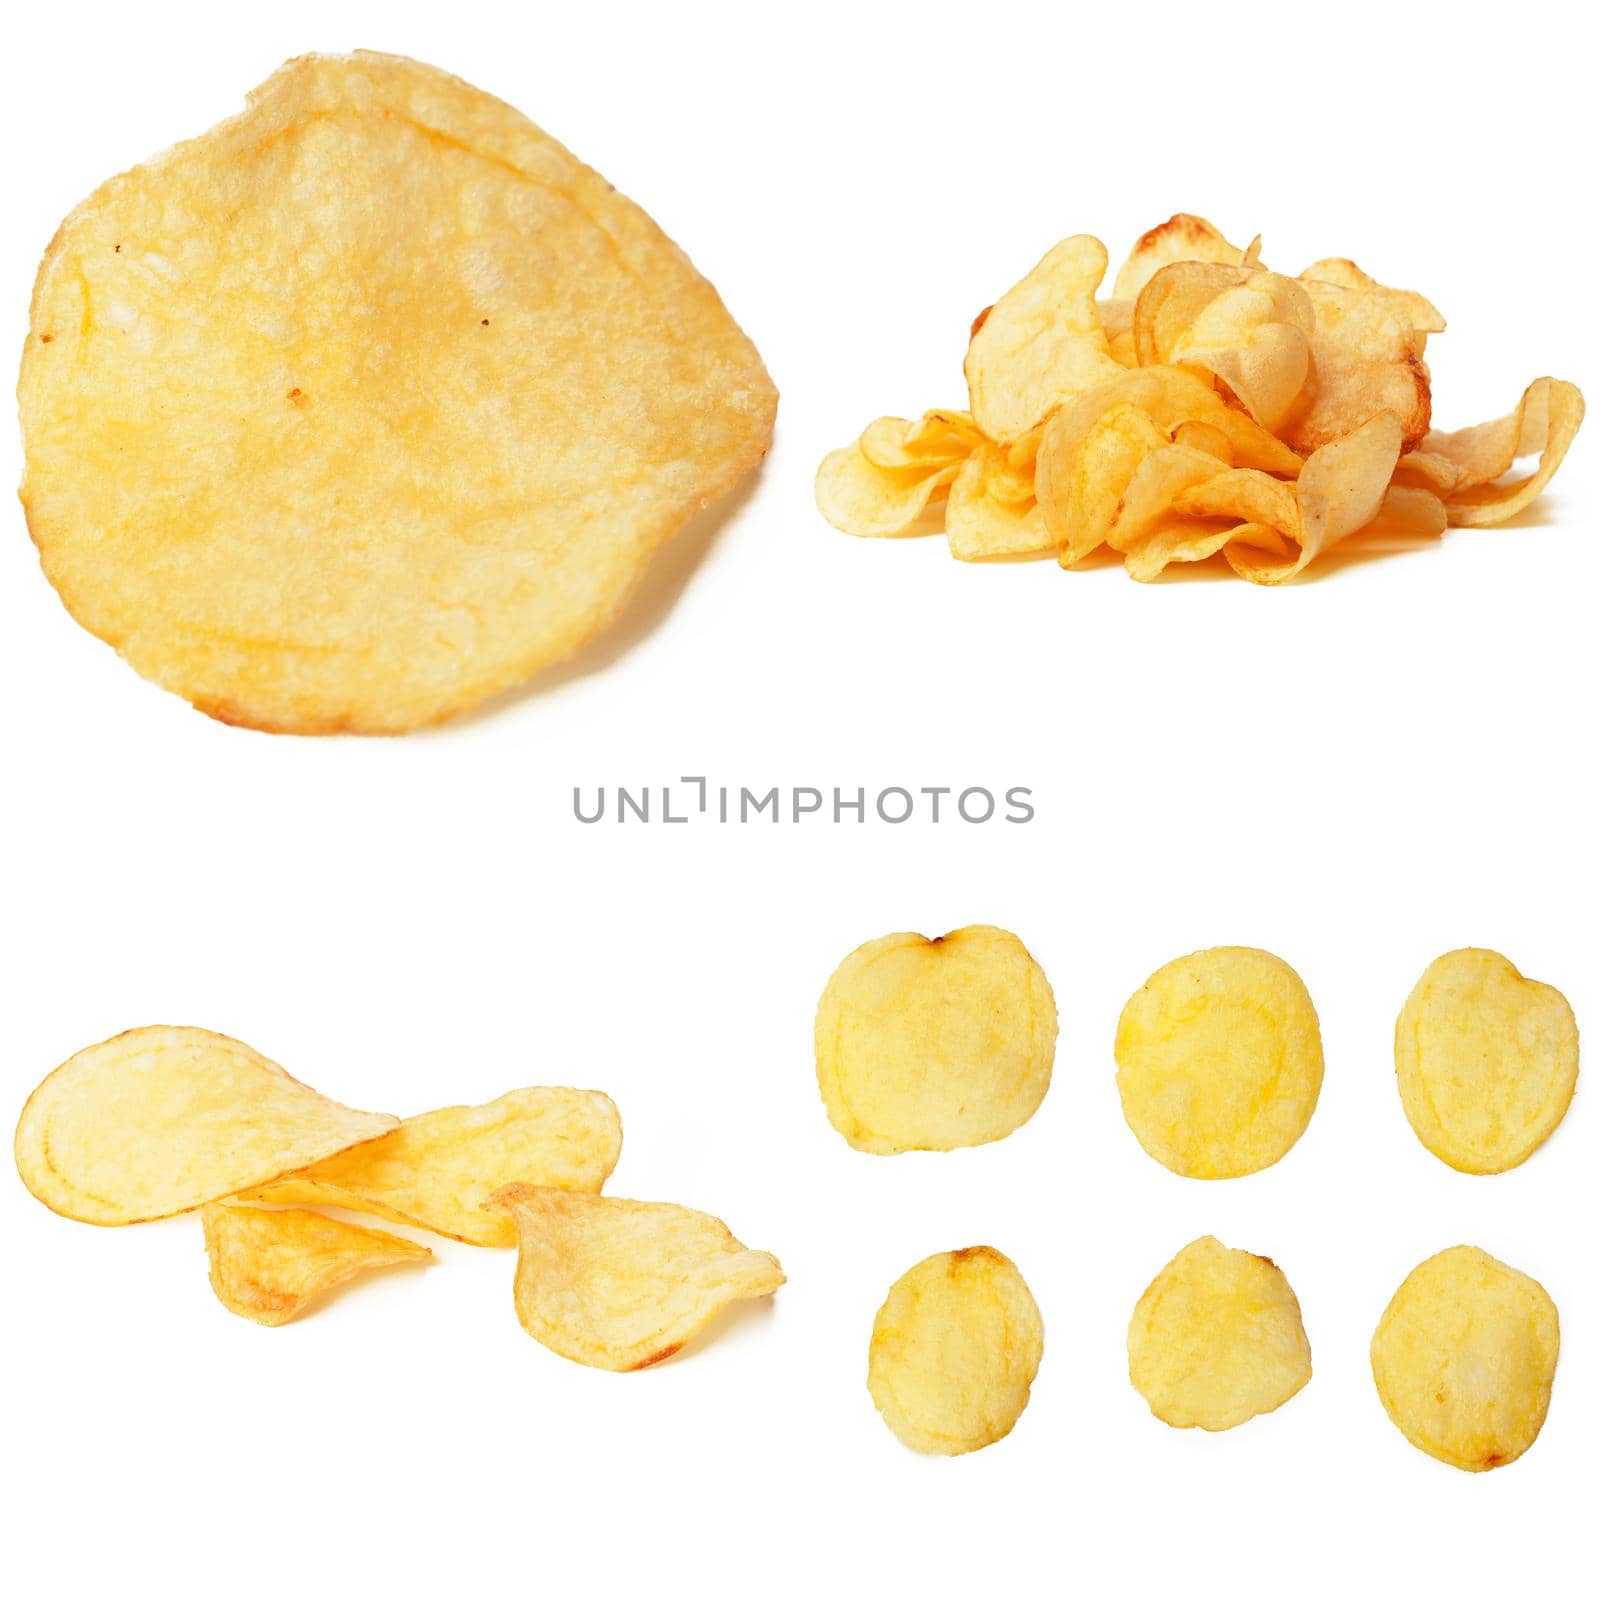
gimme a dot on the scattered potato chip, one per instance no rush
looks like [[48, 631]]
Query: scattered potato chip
[[161, 1120], [1217, 1339], [1545, 422], [437, 1170], [270, 1265], [1486, 1059], [1464, 1359], [1219, 1062], [859, 497], [368, 403], [955, 1349], [935, 1044], [623, 1284], [1180, 238]]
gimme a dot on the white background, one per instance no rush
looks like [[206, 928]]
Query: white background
[[1358, 772]]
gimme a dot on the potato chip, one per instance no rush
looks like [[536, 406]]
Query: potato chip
[[1407, 517], [1464, 1359], [935, 1044], [1217, 1339], [1415, 310], [935, 436], [1180, 238], [161, 1120], [1486, 1060], [270, 1265], [368, 403], [859, 497], [1156, 483], [1219, 1062], [623, 1284], [986, 517], [437, 1170], [955, 1349]]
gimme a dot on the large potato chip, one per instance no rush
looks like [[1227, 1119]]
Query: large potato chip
[[623, 1284], [368, 403], [1217, 1339], [1465, 1356], [270, 1265], [955, 1349], [1219, 1062], [1180, 238], [437, 1170], [1486, 1059], [934, 1044], [161, 1120]]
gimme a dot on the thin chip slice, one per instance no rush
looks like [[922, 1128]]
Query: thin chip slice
[[1465, 1357], [1219, 1062], [1217, 1339], [1486, 1060], [934, 436], [1415, 310], [437, 1170], [1156, 483], [987, 517], [160, 1120], [270, 1265], [1546, 421], [1180, 238], [368, 403], [859, 497], [935, 1044], [1084, 469], [623, 1284], [955, 1349]]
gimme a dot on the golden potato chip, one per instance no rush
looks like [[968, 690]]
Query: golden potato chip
[[161, 1120], [623, 1284], [437, 1170], [934, 436], [1156, 483], [368, 403], [1415, 310], [1217, 1339], [1219, 1062], [1180, 238], [1407, 517], [935, 1044], [270, 1265], [991, 510], [1486, 1059], [1464, 1359], [955, 1349], [859, 497]]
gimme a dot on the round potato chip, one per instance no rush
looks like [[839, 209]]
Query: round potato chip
[[955, 1349], [1464, 1358], [1486, 1061], [1219, 1062], [368, 403], [1217, 1339], [935, 1044]]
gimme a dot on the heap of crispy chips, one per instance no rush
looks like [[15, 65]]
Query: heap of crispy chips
[[1210, 406]]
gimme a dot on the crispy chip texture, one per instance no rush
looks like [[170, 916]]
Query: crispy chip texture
[[437, 1170], [368, 403], [1545, 423], [1183, 237], [623, 1284], [1465, 1356], [161, 1120], [1217, 1339], [1219, 1062], [934, 1044], [1486, 1060], [270, 1265], [955, 1349]]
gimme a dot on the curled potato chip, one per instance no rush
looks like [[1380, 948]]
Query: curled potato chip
[[991, 511], [437, 1170], [623, 1284], [1217, 1339], [1415, 310], [1219, 1062], [1486, 1061], [859, 497], [160, 1120], [935, 1044], [1464, 1358], [1156, 483], [955, 1349], [270, 1265], [941, 436], [1180, 238], [1408, 516]]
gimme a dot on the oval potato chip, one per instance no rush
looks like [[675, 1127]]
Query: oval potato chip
[[1465, 1356], [1486, 1061], [955, 1349]]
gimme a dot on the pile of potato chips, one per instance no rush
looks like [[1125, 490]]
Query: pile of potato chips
[[1209, 405]]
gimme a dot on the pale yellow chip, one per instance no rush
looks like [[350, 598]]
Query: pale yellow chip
[[623, 1284], [1465, 1356], [1180, 238], [955, 1349], [270, 1265], [1219, 1062], [1486, 1059], [935, 1044], [934, 436], [1415, 310], [368, 403], [161, 1120], [1217, 1339], [437, 1170], [991, 512], [862, 498]]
